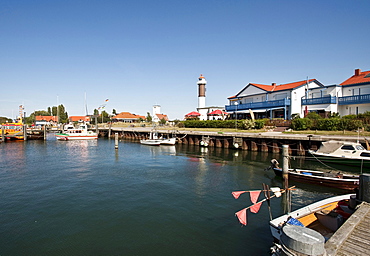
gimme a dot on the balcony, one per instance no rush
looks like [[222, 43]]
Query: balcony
[[321, 100], [257, 105], [356, 99]]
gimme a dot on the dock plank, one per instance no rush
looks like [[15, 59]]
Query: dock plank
[[352, 238]]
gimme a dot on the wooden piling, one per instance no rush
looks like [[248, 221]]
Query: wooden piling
[[116, 140], [254, 146], [264, 147]]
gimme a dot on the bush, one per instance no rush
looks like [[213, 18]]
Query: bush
[[259, 123], [313, 115], [300, 124]]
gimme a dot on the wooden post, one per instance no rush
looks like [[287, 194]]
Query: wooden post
[[96, 124], [2, 134], [116, 140], [24, 132], [286, 174], [110, 130], [44, 128]]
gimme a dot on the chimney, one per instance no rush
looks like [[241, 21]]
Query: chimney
[[273, 84], [357, 72]]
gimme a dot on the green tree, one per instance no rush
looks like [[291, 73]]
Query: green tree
[[54, 111], [163, 121], [63, 115], [49, 111], [149, 118], [114, 112]]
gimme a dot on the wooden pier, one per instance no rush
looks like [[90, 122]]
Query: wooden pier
[[261, 142], [353, 237]]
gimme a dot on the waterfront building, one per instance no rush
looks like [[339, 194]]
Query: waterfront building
[[127, 117], [270, 101], [355, 97], [79, 119], [299, 98], [157, 116], [46, 120]]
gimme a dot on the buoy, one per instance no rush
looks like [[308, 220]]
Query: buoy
[[236, 145], [302, 240]]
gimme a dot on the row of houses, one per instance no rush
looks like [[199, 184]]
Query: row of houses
[[286, 100], [125, 117]]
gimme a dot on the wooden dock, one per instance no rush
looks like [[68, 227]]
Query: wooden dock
[[353, 237]]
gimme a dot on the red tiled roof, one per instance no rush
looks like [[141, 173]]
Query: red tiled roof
[[78, 118], [358, 78], [127, 115], [274, 88], [161, 116], [46, 118]]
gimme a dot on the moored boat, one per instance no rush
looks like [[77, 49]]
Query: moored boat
[[327, 179], [343, 152], [168, 141], [13, 131], [324, 216], [80, 133]]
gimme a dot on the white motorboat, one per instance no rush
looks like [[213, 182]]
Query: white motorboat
[[343, 152], [80, 133], [169, 141]]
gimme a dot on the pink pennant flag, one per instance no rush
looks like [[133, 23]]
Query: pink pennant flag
[[236, 194], [254, 195], [256, 207], [242, 216]]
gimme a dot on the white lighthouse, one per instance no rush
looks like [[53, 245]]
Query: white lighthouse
[[201, 92]]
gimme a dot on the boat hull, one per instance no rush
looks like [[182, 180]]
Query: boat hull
[[170, 141], [346, 182], [151, 142], [358, 163]]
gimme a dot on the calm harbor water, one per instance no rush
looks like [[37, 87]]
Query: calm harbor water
[[86, 198]]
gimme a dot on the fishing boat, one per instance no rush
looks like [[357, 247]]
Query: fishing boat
[[343, 152], [328, 179], [305, 230], [80, 133], [13, 131]]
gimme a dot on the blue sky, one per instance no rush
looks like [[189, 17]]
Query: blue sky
[[138, 53]]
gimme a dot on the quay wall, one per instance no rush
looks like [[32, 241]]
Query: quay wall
[[299, 144]]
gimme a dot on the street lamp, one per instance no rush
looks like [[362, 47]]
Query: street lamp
[[236, 115]]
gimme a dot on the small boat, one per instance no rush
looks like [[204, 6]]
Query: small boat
[[169, 141], [13, 131], [305, 231], [80, 133], [153, 139], [343, 152], [324, 216], [328, 179]]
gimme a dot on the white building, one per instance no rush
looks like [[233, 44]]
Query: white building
[[271, 101], [298, 98]]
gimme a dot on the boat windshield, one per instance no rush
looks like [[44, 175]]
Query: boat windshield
[[347, 147], [359, 147]]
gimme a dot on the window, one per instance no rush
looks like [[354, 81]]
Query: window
[[359, 147], [366, 154], [347, 147]]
